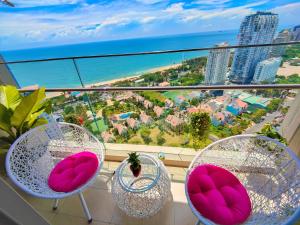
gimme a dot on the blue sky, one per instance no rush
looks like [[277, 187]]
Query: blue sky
[[35, 23]]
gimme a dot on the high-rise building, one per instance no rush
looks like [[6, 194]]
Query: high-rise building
[[266, 70], [258, 28], [216, 66], [279, 50], [296, 33]]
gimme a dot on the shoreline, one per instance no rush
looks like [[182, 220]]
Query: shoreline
[[153, 70], [110, 82]]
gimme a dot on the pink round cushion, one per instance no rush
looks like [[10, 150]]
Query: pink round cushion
[[73, 171], [218, 195]]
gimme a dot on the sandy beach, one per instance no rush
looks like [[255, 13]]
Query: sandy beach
[[154, 70], [288, 70], [110, 82]]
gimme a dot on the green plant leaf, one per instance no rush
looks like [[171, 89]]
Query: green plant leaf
[[39, 122], [5, 115], [10, 97], [29, 104]]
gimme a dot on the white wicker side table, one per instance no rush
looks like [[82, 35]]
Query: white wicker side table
[[145, 195]]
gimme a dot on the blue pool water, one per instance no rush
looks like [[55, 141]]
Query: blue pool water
[[124, 116]]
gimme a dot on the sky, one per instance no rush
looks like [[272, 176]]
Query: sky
[[37, 23]]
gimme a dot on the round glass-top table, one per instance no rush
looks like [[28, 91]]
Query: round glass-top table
[[144, 195], [148, 177]]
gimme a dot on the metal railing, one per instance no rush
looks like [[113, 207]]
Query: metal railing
[[173, 88], [102, 88], [151, 52]]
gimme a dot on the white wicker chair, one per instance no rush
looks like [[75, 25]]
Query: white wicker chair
[[33, 155], [269, 170]]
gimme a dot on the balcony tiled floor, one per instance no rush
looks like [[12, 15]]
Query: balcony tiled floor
[[105, 211]]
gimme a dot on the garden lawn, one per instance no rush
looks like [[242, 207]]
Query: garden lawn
[[173, 94], [101, 125], [171, 140], [154, 95]]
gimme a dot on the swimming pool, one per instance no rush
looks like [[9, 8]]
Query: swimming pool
[[124, 116]]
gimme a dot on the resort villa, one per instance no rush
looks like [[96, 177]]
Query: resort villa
[[139, 98], [191, 110], [164, 84], [237, 106], [158, 110], [120, 128], [169, 103], [132, 123], [107, 137], [220, 118], [145, 119], [205, 108], [148, 104], [174, 122]]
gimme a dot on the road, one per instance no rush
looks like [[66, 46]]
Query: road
[[257, 127]]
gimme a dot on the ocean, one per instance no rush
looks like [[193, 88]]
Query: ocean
[[63, 73]]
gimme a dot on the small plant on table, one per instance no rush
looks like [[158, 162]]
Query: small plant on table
[[135, 163]]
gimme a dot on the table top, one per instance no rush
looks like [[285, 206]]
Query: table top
[[148, 177]]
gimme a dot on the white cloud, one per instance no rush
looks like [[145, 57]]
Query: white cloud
[[97, 21], [148, 19], [198, 14], [288, 8], [149, 2], [35, 3], [288, 14], [175, 8], [211, 2]]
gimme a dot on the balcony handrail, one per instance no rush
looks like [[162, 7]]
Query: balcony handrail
[[149, 53], [172, 88]]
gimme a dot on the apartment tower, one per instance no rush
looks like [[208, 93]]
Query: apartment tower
[[279, 50], [258, 28], [216, 66]]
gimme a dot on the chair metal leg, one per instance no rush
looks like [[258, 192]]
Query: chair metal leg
[[55, 205], [85, 208], [111, 177]]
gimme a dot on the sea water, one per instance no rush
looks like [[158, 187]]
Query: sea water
[[62, 73]]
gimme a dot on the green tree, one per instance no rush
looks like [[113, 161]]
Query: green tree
[[199, 127], [116, 104], [274, 104], [171, 111], [160, 139], [69, 110], [145, 134], [269, 131], [195, 101], [258, 114], [284, 110], [80, 109], [134, 116], [72, 118]]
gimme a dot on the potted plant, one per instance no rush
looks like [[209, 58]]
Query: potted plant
[[135, 163]]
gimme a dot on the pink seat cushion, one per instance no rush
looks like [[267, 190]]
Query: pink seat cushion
[[73, 172], [218, 195]]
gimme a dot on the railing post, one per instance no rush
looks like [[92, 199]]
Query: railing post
[[88, 99]]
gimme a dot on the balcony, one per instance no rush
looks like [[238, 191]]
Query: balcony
[[104, 209], [149, 115]]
